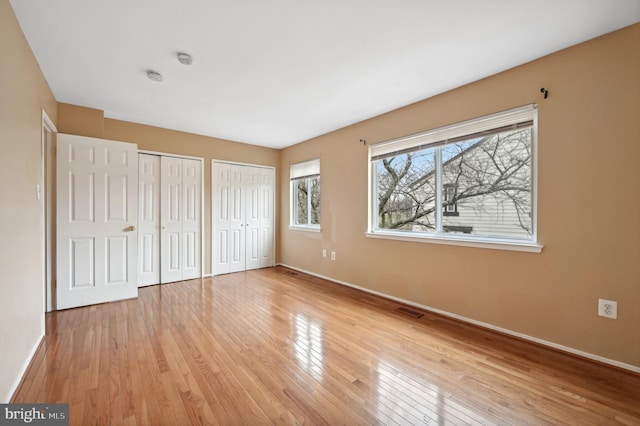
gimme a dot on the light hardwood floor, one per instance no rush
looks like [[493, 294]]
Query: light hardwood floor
[[276, 346]]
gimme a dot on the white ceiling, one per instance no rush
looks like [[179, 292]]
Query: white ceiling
[[278, 72]]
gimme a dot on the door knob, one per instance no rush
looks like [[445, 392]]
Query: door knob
[[130, 228]]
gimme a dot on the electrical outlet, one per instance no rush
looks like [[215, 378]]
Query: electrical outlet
[[333, 255], [608, 308], [324, 252]]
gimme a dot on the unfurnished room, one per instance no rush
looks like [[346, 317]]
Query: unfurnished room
[[334, 213]]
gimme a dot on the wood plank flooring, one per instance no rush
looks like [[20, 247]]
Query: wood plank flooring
[[278, 347]]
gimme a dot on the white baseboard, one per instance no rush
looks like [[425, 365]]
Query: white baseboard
[[506, 331], [7, 398]]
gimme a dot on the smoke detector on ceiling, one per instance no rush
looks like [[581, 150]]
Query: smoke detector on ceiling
[[154, 75], [185, 58]]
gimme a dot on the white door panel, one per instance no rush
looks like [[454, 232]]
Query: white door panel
[[96, 198], [170, 219], [252, 216], [267, 219], [180, 213], [236, 222], [149, 220], [191, 228], [221, 217]]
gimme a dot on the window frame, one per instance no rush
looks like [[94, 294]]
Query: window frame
[[440, 137], [307, 170]]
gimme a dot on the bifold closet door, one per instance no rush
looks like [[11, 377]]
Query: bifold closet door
[[228, 218], [149, 220], [180, 205], [171, 219], [170, 202], [259, 220], [191, 219], [243, 217], [267, 218]]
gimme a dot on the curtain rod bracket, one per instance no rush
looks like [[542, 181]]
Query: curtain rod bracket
[[545, 92]]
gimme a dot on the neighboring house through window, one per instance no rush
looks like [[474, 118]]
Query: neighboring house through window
[[305, 195], [472, 180], [450, 204]]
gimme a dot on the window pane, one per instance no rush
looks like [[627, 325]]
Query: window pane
[[300, 195], [487, 185], [406, 191], [314, 182]]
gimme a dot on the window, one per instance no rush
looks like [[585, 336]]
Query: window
[[450, 204], [471, 181], [305, 195]]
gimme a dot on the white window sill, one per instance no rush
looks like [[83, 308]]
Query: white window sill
[[495, 244], [305, 228]]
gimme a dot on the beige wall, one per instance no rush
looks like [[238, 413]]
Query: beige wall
[[23, 94], [83, 121], [76, 120], [588, 207]]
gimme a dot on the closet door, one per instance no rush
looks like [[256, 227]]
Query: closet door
[[171, 212], [252, 217], [236, 224], [148, 220], [243, 217], [229, 230], [191, 220], [170, 221], [221, 219], [267, 218]]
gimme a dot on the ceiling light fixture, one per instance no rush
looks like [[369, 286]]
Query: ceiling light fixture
[[184, 58], [154, 75]]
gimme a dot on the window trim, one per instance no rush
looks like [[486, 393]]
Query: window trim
[[441, 136], [303, 170], [459, 240]]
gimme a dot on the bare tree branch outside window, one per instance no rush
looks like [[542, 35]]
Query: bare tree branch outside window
[[307, 194], [488, 180]]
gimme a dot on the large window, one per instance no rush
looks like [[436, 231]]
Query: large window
[[305, 195], [472, 181]]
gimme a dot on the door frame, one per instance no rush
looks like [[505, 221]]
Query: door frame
[[202, 217], [46, 192], [275, 204]]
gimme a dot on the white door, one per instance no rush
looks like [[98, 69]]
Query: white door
[[267, 219], [171, 220], [191, 227], [96, 217], [243, 217], [148, 220], [236, 219], [252, 217], [180, 219], [221, 215]]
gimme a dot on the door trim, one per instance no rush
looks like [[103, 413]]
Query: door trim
[[47, 156]]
